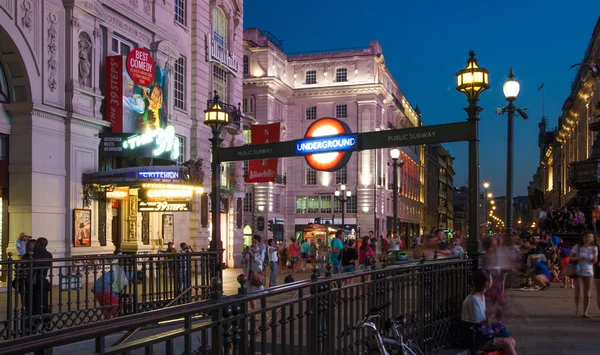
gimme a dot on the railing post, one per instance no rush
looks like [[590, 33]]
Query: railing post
[[240, 331], [10, 281], [217, 317]]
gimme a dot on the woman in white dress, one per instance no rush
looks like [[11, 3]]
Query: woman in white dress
[[586, 256]]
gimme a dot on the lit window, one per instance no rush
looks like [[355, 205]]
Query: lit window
[[326, 204], [179, 90], [181, 157], [311, 113], [313, 204], [300, 204], [341, 74], [180, 11], [246, 65], [311, 176], [341, 111], [3, 86], [341, 176], [220, 82], [311, 77]]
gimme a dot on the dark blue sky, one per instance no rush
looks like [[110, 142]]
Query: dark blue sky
[[426, 42]]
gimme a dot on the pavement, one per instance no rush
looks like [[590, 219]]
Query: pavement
[[544, 322]]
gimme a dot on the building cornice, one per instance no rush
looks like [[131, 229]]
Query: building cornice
[[270, 81], [28, 109]]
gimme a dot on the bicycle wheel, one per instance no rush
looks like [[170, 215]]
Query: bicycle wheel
[[410, 347]]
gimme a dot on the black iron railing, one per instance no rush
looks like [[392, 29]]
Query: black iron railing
[[52, 294], [308, 317]]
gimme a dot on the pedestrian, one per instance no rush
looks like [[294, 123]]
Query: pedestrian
[[586, 256], [21, 244], [597, 274], [272, 251], [337, 244], [565, 254], [284, 257], [257, 275], [313, 252], [349, 256], [41, 287], [294, 253], [477, 332], [185, 265], [305, 253], [366, 255], [385, 244]]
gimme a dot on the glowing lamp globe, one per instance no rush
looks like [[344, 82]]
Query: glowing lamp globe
[[472, 80]]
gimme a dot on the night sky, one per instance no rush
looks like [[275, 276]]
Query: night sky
[[426, 42]]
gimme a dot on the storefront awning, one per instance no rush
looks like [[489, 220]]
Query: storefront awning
[[143, 175]]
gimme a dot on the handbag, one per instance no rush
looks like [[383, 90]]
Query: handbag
[[571, 269]]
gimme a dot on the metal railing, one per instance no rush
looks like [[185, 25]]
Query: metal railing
[[317, 320], [45, 295]]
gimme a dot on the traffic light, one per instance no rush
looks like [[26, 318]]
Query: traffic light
[[270, 225]]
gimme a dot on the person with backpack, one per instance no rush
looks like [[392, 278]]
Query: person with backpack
[[366, 255], [294, 253]]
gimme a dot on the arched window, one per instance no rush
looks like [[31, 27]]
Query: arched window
[[3, 86], [220, 28]]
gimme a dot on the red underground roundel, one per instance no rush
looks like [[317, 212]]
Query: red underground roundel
[[330, 161]]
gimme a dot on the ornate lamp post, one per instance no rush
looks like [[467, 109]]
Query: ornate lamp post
[[217, 116], [511, 91], [395, 154], [472, 81], [343, 197]]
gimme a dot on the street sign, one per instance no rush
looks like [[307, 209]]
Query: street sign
[[444, 133]]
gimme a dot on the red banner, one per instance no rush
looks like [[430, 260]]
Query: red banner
[[264, 170], [113, 102]]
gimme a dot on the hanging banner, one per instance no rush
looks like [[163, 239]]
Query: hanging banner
[[264, 170]]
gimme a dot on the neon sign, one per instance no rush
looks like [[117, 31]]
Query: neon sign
[[164, 141], [167, 193], [164, 206], [328, 144], [158, 175], [333, 150], [117, 194]]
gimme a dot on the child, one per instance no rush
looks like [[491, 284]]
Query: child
[[554, 267], [477, 333]]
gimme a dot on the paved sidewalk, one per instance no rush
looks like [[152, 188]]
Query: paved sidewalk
[[543, 322]]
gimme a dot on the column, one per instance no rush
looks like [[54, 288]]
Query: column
[[131, 228]]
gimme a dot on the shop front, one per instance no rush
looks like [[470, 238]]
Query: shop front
[[142, 209]]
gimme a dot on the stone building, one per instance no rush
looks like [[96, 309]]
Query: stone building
[[56, 181], [572, 140], [439, 188], [355, 87]]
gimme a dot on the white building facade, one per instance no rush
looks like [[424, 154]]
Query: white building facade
[[52, 117], [355, 87]]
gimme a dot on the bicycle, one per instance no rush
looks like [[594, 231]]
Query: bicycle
[[382, 345]]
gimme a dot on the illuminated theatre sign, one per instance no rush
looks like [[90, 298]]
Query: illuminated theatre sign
[[159, 143], [327, 144]]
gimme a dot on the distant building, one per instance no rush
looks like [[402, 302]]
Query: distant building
[[461, 208], [439, 191]]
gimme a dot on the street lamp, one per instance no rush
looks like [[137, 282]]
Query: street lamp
[[472, 81], [486, 185], [343, 197], [511, 91], [395, 155], [217, 116]]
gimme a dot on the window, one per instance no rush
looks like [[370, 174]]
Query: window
[[311, 176], [311, 77], [352, 204], [3, 86], [248, 202], [313, 204], [246, 165], [300, 204], [341, 74], [341, 111], [279, 110], [248, 105], [277, 203], [220, 28], [311, 113], [341, 176], [245, 105], [121, 47], [181, 157], [220, 82], [180, 11], [179, 89], [246, 65], [326, 204], [337, 206]]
